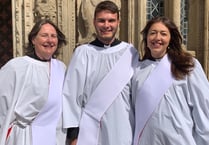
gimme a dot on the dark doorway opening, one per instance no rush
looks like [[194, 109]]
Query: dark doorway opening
[[6, 45]]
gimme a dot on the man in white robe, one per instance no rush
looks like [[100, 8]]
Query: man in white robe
[[89, 66], [83, 76]]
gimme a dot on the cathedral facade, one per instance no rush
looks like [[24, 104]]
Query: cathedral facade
[[75, 17]]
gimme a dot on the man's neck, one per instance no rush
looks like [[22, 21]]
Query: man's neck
[[97, 42]]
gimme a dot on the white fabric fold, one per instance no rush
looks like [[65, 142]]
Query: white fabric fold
[[104, 95], [149, 95], [46, 121]]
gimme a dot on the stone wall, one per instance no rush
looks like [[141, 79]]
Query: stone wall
[[75, 17]]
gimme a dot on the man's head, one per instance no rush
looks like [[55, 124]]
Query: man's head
[[109, 6], [106, 21]]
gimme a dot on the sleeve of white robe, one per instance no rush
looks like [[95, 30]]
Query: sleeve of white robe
[[198, 86], [7, 79], [73, 88], [25, 90]]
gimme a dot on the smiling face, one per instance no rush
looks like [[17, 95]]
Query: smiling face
[[45, 42], [158, 39], [106, 25]]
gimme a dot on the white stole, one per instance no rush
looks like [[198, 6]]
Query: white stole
[[150, 94], [103, 96], [44, 125]]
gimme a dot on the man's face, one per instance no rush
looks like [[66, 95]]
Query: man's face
[[106, 25]]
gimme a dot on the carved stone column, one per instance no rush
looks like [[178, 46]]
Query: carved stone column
[[173, 10], [67, 20], [196, 28], [17, 27], [136, 21], [206, 38]]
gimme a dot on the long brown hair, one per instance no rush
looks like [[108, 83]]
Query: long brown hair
[[182, 62]]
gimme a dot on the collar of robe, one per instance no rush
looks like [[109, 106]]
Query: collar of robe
[[98, 43], [38, 58]]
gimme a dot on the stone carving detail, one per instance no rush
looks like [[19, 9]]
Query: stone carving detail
[[28, 20], [45, 9], [17, 39]]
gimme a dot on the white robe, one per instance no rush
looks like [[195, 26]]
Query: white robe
[[182, 116], [88, 67], [23, 93]]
